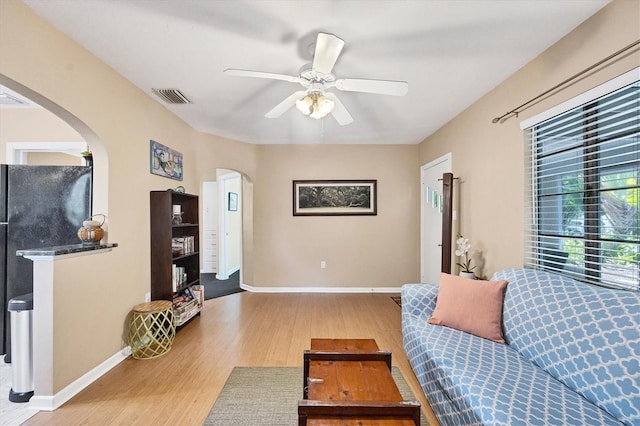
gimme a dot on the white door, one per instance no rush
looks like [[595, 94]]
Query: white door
[[431, 218], [209, 241]]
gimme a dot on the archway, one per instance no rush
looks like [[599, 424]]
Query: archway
[[101, 162], [43, 353], [227, 227]]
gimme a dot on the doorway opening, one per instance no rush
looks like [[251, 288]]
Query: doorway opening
[[431, 218], [226, 215]]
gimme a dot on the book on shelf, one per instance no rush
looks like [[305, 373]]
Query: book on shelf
[[198, 293], [185, 305], [180, 300], [179, 319], [179, 277], [181, 246], [183, 298]]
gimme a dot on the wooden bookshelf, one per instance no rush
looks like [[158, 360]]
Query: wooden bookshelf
[[175, 254]]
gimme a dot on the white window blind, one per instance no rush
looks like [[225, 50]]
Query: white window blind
[[582, 189]]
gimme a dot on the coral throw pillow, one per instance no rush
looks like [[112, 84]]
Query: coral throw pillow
[[474, 306]]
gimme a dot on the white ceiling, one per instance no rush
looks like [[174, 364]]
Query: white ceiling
[[450, 52]]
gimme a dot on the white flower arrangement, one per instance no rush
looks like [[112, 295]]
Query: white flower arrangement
[[462, 249]]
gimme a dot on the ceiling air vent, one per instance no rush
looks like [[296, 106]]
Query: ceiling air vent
[[171, 96], [8, 100]]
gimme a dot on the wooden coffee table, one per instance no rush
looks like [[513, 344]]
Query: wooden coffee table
[[349, 382]]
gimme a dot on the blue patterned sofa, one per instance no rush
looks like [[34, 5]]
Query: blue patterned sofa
[[572, 355]]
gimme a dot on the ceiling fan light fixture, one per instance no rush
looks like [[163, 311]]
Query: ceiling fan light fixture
[[325, 105], [317, 77], [317, 114], [315, 105], [305, 105]]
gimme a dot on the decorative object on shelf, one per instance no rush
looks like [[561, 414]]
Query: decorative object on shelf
[[335, 197], [87, 157], [462, 249], [233, 202], [176, 214], [91, 230], [180, 189], [165, 161]]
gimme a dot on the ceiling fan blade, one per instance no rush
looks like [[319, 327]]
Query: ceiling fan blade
[[283, 106], [381, 87], [328, 48], [260, 74], [339, 112]]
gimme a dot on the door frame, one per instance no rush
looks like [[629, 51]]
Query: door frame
[[423, 202], [223, 203], [17, 151]]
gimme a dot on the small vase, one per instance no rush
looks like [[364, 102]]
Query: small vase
[[176, 218], [91, 232], [468, 275]]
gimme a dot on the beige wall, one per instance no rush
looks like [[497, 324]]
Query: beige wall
[[33, 125], [53, 159], [117, 120], [246, 269], [359, 251], [37, 125], [488, 158]]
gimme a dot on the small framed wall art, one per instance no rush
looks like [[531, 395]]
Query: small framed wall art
[[335, 197], [165, 161]]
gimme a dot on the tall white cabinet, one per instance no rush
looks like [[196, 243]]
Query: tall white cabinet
[[209, 243]]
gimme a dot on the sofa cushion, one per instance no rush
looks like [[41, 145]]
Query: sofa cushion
[[469, 380], [474, 306], [587, 337]]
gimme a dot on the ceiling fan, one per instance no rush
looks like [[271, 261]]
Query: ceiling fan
[[316, 78]]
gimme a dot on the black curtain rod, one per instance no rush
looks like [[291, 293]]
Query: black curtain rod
[[515, 111]]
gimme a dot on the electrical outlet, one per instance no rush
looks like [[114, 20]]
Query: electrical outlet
[[147, 297], [323, 264]]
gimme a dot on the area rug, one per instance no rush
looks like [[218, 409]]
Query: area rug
[[269, 396]]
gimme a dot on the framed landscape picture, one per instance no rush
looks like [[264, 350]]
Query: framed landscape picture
[[165, 161], [335, 197]]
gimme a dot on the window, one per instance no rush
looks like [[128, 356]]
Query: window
[[583, 191]]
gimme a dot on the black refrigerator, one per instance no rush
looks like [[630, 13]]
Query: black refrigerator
[[40, 206]]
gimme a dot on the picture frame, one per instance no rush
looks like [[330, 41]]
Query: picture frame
[[233, 202], [164, 161], [335, 197]]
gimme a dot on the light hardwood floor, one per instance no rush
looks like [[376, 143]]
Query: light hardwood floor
[[244, 329]]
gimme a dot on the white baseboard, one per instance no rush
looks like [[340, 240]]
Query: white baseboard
[[229, 273], [50, 403], [320, 289]]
